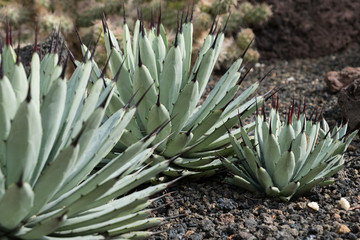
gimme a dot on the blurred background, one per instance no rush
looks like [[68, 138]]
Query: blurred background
[[281, 29]]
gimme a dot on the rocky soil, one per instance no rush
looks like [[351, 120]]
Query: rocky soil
[[308, 28], [210, 209]]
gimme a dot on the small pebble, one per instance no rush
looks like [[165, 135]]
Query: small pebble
[[314, 206], [341, 229], [344, 204], [290, 79]]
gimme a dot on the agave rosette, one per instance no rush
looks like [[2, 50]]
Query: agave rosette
[[52, 136], [173, 90], [287, 159]]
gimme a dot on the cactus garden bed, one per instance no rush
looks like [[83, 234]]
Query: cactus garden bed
[[210, 209]]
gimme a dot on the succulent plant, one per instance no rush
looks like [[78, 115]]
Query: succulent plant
[[173, 90], [244, 37], [53, 134], [287, 159]]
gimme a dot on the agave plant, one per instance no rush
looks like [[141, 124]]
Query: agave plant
[[52, 136], [287, 159], [173, 90]]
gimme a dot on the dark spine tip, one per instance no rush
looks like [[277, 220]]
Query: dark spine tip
[[124, 12], [291, 113], [159, 22], [273, 92], [299, 111], [277, 102], [63, 72], [257, 109], [267, 74], [214, 43], [140, 62], [11, 40], [138, 12], [212, 26], [226, 23], [192, 11], [71, 55], [158, 103], [176, 38], [110, 42], [291, 143], [96, 44], [78, 35], [85, 55], [28, 97], [103, 21], [103, 104], [18, 50], [270, 131], [75, 141], [142, 97], [246, 49], [142, 28], [152, 20], [304, 107], [20, 183], [189, 131], [102, 75], [195, 76], [177, 29], [130, 100], [116, 78], [215, 26], [1, 70], [303, 126], [187, 13], [182, 20], [273, 101], [263, 110]]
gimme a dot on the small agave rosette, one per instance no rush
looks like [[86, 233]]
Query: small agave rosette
[[148, 65], [287, 159]]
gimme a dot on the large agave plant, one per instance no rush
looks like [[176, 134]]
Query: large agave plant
[[287, 159], [52, 136], [173, 90]]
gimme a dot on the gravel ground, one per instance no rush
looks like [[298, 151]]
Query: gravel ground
[[210, 209]]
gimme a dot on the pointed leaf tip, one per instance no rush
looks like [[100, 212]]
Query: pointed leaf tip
[[18, 49], [226, 23], [116, 78], [102, 75], [142, 97], [96, 44], [124, 12], [63, 72], [78, 35], [246, 49]]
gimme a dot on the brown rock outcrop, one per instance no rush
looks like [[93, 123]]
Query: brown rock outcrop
[[349, 102], [337, 80]]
